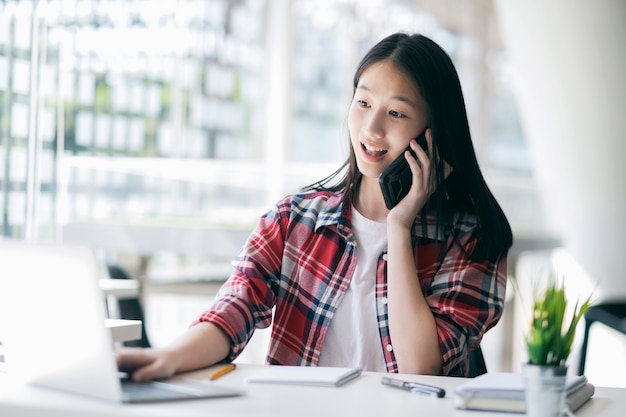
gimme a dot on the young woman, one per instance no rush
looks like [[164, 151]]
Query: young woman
[[343, 280]]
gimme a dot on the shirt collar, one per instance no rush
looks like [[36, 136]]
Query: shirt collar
[[333, 212]]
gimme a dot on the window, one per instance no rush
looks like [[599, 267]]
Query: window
[[144, 115]]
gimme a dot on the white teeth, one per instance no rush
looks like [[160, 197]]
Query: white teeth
[[371, 148]]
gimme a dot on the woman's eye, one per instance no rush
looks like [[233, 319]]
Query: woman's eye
[[394, 113]]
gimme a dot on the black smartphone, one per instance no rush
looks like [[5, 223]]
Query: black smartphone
[[395, 181]]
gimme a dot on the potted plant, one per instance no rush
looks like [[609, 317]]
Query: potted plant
[[549, 344]]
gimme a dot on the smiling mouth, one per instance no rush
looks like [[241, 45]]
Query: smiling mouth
[[372, 150]]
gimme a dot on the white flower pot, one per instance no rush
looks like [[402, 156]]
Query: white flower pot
[[544, 388]]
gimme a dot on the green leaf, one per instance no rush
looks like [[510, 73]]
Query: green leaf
[[550, 338]]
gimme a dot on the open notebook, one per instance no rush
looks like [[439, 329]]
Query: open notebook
[[52, 318]]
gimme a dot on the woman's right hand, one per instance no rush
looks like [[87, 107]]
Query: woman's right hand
[[144, 364], [202, 345]]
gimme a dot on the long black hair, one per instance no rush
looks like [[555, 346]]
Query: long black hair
[[465, 189]]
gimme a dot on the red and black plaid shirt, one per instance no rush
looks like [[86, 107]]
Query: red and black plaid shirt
[[301, 258]]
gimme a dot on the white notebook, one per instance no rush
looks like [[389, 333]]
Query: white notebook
[[305, 375]]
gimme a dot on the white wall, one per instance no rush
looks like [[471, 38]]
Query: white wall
[[569, 61]]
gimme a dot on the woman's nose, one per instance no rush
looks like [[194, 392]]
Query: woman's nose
[[374, 125]]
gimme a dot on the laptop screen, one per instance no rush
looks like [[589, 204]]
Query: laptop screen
[[52, 322], [52, 314]]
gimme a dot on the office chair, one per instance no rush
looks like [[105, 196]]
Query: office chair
[[611, 314], [129, 308], [477, 365]]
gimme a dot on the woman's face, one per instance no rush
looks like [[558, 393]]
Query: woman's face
[[387, 111]]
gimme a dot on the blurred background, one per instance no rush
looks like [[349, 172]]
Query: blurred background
[[157, 132]]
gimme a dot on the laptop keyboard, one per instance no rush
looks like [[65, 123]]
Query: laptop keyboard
[[151, 391], [156, 391]]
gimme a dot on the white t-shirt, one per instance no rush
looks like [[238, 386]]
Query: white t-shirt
[[353, 338]]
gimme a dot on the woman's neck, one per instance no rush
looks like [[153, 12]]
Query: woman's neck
[[369, 201]]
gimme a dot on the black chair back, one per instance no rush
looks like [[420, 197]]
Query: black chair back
[[130, 308], [477, 365]]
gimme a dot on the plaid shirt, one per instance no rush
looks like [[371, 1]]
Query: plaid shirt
[[301, 258]]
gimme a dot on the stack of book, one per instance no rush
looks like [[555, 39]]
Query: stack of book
[[504, 392]]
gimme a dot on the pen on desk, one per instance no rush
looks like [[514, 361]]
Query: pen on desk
[[414, 387], [222, 371]]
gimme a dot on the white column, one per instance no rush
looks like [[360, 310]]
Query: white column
[[570, 60], [33, 177], [278, 81]]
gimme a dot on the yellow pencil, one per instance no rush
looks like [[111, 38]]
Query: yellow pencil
[[222, 371]]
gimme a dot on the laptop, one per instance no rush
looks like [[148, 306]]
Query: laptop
[[52, 327]]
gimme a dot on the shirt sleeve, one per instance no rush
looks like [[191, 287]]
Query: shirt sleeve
[[467, 299], [245, 300]]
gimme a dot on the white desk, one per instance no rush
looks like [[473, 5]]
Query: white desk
[[120, 288], [363, 397], [123, 330]]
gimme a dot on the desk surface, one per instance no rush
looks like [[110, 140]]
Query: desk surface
[[123, 330], [362, 397], [120, 288]]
